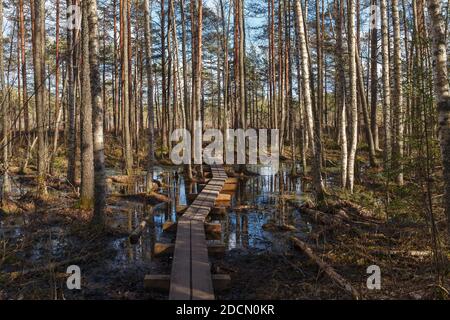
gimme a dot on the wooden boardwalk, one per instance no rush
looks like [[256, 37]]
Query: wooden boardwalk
[[191, 272]]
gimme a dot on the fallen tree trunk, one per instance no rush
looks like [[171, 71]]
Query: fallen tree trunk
[[322, 217], [51, 266], [137, 233], [326, 268], [356, 208]]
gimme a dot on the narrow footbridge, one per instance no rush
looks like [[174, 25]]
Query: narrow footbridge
[[191, 277]]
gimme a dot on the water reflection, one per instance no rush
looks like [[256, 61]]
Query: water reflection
[[264, 198]]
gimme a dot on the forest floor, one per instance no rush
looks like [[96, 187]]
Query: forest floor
[[39, 239]]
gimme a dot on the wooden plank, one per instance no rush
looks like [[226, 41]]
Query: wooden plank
[[202, 288], [180, 281], [161, 282], [191, 271]]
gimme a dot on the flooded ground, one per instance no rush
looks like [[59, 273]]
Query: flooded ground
[[259, 201], [37, 245], [263, 197]]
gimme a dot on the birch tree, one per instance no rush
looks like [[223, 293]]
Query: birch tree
[[303, 52], [353, 94]]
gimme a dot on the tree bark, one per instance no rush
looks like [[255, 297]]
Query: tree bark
[[87, 149], [442, 92], [4, 145], [39, 85], [386, 86], [353, 94], [317, 175], [151, 114], [125, 89], [398, 95], [374, 81], [97, 116]]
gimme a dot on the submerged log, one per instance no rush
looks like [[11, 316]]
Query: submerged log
[[150, 198], [273, 227], [330, 272], [137, 233]]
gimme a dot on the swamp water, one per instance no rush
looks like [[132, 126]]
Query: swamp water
[[259, 200], [264, 198]]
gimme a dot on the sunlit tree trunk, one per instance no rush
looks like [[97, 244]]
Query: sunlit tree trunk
[[125, 89], [87, 151], [374, 80], [71, 141], [39, 85], [441, 84], [97, 116], [386, 85], [353, 95], [303, 52], [341, 100], [398, 94], [6, 185], [151, 114]]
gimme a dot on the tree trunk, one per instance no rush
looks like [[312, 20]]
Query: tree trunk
[[151, 114], [317, 175], [353, 95], [398, 95], [125, 90], [87, 151], [374, 80], [341, 103], [386, 86], [71, 149], [6, 185], [39, 85], [442, 93], [97, 117]]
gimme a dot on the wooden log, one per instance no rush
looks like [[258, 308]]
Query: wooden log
[[221, 282], [336, 277], [167, 249], [122, 179], [151, 198], [223, 200], [232, 181], [210, 228], [213, 228], [229, 188], [217, 250], [181, 210], [323, 218], [161, 282], [137, 233], [170, 226], [223, 197], [163, 249], [220, 211]]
